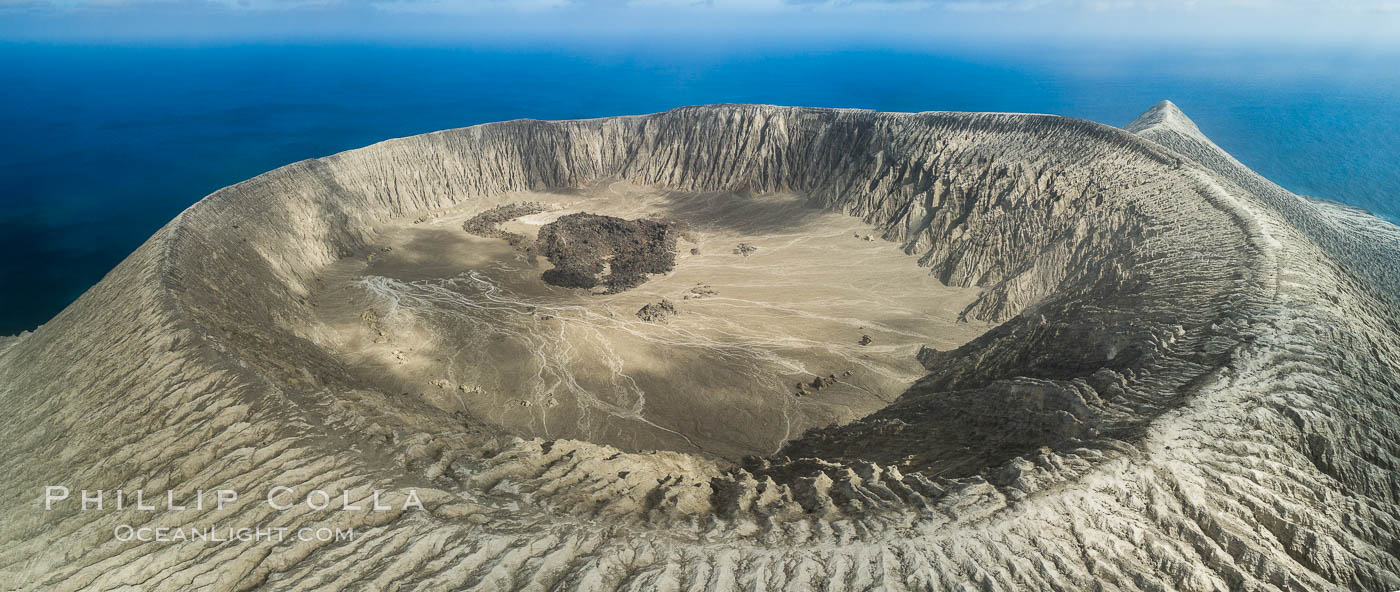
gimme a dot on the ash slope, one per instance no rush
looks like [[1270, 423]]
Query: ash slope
[[1193, 385]]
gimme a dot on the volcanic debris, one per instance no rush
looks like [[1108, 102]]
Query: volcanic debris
[[589, 250], [700, 291], [487, 223], [818, 383], [658, 312]]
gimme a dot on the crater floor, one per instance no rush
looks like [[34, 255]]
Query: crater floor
[[466, 324]]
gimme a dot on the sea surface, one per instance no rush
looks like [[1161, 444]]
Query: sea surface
[[101, 145]]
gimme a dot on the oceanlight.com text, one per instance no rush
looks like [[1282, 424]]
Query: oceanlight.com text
[[216, 534]]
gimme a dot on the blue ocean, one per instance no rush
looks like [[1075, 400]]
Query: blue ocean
[[104, 144]]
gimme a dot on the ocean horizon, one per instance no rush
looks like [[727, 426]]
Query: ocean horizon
[[107, 143]]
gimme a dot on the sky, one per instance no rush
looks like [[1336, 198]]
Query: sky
[[1357, 24]]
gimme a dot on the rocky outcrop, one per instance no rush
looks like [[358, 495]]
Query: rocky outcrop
[[487, 224], [657, 312], [590, 250], [1191, 385], [700, 291]]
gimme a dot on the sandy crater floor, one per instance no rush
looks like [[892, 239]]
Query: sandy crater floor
[[467, 324]]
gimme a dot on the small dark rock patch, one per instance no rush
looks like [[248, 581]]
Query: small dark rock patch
[[818, 383], [926, 356], [700, 291], [658, 312]]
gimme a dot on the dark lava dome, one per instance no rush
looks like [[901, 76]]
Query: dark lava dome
[[590, 250]]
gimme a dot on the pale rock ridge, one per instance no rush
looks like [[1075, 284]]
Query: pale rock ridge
[[1356, 239], [1228, 417], [1166, 116]]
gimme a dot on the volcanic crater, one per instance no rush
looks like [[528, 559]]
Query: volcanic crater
[[737, 347], [529, 320]]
